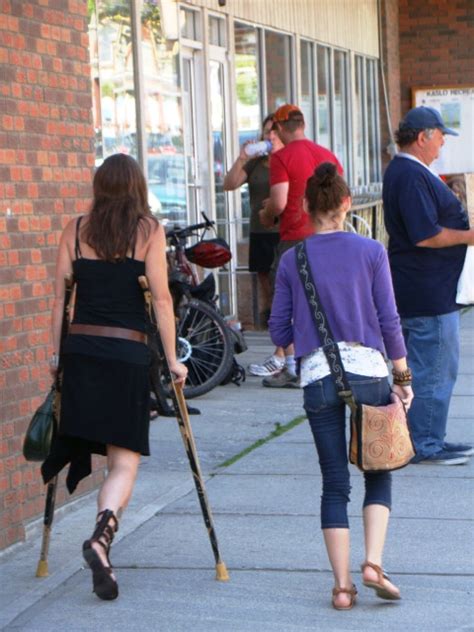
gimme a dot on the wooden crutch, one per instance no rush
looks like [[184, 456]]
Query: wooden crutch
[[181, 411], [42, 568]]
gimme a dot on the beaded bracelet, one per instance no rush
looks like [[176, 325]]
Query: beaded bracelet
[[400, 383], [402, 378]]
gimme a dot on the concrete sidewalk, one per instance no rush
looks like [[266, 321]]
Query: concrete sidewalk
[[266, 511]]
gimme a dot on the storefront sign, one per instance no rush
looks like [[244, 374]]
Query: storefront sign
[[456, 106]]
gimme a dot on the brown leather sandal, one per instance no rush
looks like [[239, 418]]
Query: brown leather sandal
[[104, 585], [352, 592], [381, 590]]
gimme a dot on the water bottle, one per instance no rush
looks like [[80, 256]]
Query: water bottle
[[258, 149]]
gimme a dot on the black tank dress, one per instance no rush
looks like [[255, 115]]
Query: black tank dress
[[105, 395]]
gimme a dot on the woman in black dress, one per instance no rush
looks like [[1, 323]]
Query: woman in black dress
[[105, 387]]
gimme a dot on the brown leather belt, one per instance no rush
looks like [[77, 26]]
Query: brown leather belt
[[108, 332]]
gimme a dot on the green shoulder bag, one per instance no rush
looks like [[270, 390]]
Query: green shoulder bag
[[37, 443]]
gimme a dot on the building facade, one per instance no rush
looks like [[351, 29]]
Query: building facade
[[179, 86]]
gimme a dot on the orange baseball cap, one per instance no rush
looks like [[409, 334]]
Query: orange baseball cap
[[284, 113]]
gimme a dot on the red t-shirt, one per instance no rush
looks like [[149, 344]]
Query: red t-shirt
[[294, 164]]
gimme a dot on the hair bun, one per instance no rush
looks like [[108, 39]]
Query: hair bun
[[325, 174]]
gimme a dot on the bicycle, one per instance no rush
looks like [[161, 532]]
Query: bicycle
[[205, 342]]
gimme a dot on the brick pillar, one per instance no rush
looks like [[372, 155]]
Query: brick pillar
[[391, 66], [46, 160]]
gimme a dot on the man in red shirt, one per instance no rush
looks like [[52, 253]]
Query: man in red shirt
[[290, 169]]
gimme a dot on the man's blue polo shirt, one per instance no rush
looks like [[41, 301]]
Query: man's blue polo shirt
[[417, 204]]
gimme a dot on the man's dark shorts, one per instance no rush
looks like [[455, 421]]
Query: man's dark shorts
[[282, 247]]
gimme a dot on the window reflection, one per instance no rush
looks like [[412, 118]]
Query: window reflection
[[324, 97], [307, 87], [189, 21], [340, 109], [217, 31], [278, 64], [372, 122], [163, 117], [359, 124], [216, 76], [247, 99], [111, 51], [217, 119]]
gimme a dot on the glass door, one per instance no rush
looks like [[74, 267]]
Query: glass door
[[196, 143], [219, 144], [193, 171]]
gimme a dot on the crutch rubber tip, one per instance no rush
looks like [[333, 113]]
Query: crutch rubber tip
[[221, 572], [42, 569]]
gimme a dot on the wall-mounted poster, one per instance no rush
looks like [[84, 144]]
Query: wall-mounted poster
[[456, 106]]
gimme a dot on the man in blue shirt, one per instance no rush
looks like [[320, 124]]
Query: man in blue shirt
[[428, 231]]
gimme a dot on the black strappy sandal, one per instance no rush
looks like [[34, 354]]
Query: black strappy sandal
[[104, 585]]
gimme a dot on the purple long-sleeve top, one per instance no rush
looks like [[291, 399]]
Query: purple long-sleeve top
[[352, 276]]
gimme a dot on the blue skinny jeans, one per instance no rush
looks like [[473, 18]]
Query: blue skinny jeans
[[326, 415]]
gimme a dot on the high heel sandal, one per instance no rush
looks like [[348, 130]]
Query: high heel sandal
[[352, 592], [104, 585], [382, 591]]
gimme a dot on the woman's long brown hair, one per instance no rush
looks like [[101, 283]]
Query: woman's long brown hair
[[120, 203]]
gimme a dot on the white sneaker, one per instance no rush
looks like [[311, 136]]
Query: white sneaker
[[270, 366]]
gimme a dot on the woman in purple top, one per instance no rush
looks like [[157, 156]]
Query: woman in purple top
[[355, 288]]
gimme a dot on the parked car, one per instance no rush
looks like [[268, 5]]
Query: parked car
[[167, 182], [154, 203]]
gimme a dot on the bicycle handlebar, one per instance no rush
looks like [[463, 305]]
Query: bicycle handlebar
[[186, 231]]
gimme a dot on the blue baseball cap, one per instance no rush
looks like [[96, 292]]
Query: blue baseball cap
[[423, 117]]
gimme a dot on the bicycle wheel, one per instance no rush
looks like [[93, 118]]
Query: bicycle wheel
[[204, 346]]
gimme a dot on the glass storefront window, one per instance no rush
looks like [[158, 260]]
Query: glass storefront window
[[373, 121], [218, 149], [216, 76], [278, 69], [324, 97], [110, 44], [307, 87], [340, 109], [217, 31], [247, 82], [189, 21], [189, 137], [360, 176], [366, 123], [248, 109], [163, 118]]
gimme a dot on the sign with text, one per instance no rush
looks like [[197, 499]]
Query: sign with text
[[456, 106]]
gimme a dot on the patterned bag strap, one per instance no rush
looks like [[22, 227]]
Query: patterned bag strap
[[330, 348]]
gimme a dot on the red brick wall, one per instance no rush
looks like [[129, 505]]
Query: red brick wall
[[436, 44], [46, 156]]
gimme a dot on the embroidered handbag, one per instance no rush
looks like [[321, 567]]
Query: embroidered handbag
[[380, 438], [380, 435], [39, 434]]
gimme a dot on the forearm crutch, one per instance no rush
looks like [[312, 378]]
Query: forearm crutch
[[181, 411], [42, 568]]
